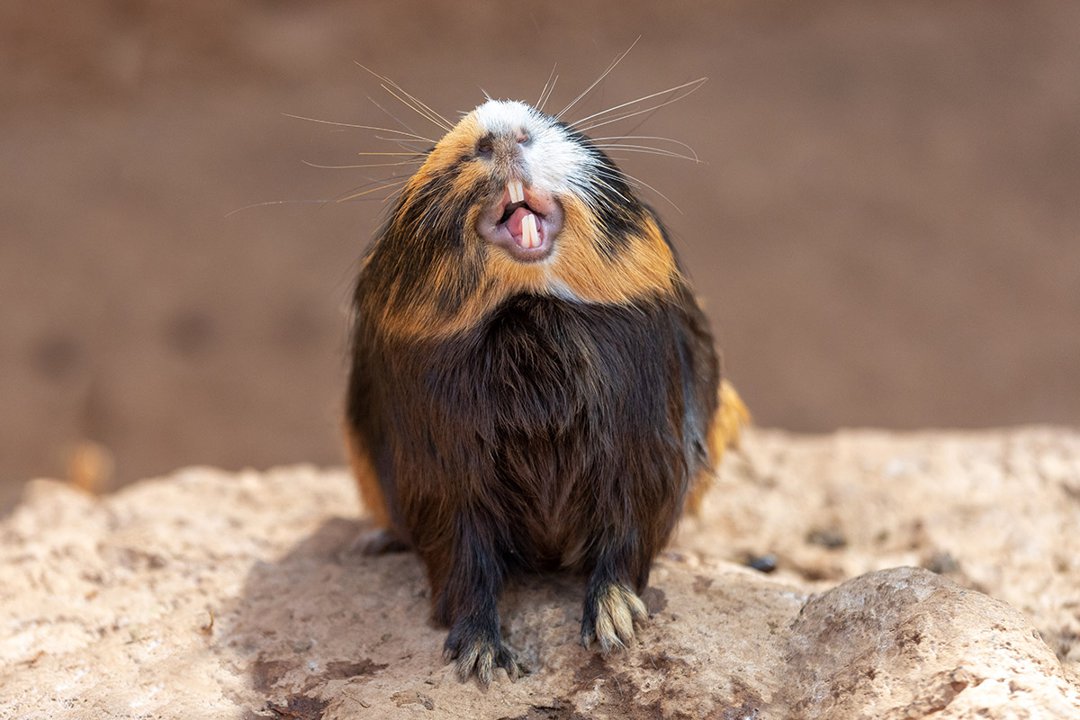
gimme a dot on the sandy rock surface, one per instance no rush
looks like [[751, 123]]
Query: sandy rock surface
[[215, 595]]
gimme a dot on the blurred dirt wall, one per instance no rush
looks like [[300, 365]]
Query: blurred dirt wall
[[885, 225]]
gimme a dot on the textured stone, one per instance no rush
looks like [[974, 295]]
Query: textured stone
[[216, 595]]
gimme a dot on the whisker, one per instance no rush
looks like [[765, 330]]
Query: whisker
[[612, 189], [405, 153], [402, 141], [550, 91], [431, 112], [662, 195], [694, 83], [418, 138], [642, 120], [673, 141], [369, 191], [638, 181], [417, 104], [356, 167], [427, 107], [648, 150], [396, 119], [403, 144], [600, 79], [415, 108], [628, 115], [548, 87], [265, 203]]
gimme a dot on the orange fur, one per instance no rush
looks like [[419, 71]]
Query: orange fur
[[578, 268], [646, 268], [731, 416], [370, 493]]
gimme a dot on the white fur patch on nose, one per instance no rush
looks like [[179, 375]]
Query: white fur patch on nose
[[504, 116]]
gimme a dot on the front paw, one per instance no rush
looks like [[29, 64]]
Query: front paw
[[610, 612], [479, 652]]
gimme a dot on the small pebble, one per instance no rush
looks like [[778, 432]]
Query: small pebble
[[942, 563], [762, 563], [831, 539]]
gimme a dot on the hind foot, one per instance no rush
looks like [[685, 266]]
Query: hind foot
[[479, 652], [380, 541], [610, 613]]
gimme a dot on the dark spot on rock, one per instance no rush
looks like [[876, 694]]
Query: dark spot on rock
[[762, 563], [190, 332], [814, 573], [655, 600], [829, 538], [942, 563], [665, 663], [918, 535], [407, 697], [299, 707], [140, 560], [744, 704], [616, 694], [585, 675], [268, 673], [339, 670], [56, 356], [250, 714], [702, 583], [745, 711], [557, 710]]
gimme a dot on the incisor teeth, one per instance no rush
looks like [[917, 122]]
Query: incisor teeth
[[529, 234], [517, 192]]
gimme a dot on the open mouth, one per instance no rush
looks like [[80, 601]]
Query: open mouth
[[524, 221]]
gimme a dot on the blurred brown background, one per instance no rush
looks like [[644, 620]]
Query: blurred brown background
[[886, 226]]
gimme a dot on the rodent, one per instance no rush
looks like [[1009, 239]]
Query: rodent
[[533, 384]]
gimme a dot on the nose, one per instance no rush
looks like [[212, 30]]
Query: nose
[[506, 145], [512, 142]]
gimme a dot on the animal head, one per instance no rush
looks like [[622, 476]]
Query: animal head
[[509, 201]]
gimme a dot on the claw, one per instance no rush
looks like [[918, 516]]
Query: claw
[[481, 657], [611, 619]]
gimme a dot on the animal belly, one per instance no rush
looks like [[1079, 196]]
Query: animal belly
[[542, 485]]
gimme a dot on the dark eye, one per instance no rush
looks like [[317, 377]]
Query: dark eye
[[485, 146]]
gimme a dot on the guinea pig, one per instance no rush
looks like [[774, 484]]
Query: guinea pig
[[533, 384]]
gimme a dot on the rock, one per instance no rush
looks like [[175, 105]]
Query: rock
[[905, 643], [217, 595]]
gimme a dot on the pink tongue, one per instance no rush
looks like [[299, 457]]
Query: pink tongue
[[513, 223]]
